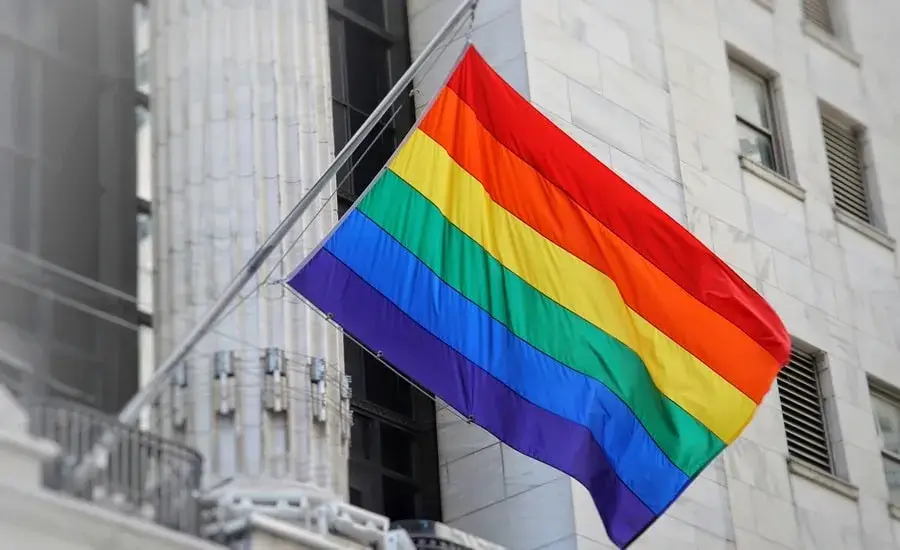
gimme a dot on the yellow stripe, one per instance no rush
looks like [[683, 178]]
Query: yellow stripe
[[572, 283]]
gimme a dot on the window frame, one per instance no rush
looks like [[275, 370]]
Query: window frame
[[820, 362], [367, 470], [398, 59], [142, 67], [829, 116], [829, 26], [766, 82], [877, 391], [144, 204], [145, 315], [890, 396]]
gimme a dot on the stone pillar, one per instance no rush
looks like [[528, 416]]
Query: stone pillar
[[242, 127]]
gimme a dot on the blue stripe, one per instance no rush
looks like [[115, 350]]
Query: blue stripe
[[396, 273], [569, 447]]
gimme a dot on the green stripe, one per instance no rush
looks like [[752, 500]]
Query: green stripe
[[467, 267]]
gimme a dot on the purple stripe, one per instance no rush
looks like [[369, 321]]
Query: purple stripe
[[538, 433]]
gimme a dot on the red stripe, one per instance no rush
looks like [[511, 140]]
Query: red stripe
[[515, 123]]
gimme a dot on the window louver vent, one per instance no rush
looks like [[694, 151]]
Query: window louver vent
[[803, 411], [818, 13], [846, 169]]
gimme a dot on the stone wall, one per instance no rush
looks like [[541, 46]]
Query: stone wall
[[644, 85]]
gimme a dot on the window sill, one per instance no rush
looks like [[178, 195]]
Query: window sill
[[865, 229], [768, 5], [831, 42], [894, 511], [823, 479], [773, 178]]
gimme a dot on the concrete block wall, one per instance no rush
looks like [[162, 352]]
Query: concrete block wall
[[644, 85]]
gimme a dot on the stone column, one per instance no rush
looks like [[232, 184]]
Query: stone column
[[242, 128]]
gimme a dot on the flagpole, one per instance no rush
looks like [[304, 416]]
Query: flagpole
[[145, 395]]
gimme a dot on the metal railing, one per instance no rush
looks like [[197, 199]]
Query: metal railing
[[146, 475]]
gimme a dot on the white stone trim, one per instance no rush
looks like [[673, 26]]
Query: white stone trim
[[867, 230], [305, 537], [831, 42], [26, 446], [894, 511], [823, 479], [85, 523], [773, 178], [768, 5]]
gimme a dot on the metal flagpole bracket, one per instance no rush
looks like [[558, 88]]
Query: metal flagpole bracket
[[157, 382], [471, 28]]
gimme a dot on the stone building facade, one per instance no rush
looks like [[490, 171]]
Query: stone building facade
[[768, 127]]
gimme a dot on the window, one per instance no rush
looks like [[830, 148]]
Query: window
[[18, 218], [145, 262], [141, 46], [18, 211], [803, 410], [369, 52], [755, 112], [818, 13], [144, 153], [144, 190], [886, 407], [845, 167], [393, 447], [21, 174]]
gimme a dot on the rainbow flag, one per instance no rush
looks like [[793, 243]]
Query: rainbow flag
[[502, 267]]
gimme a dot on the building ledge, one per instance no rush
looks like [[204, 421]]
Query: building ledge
[[831, 42], [768, 5], [292, 533], [866, 229], [26, 446], [88, 525], [823, 479], [770, 177], [894, 511]]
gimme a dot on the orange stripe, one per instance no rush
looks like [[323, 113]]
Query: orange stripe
[[522, 191], [620, 207]]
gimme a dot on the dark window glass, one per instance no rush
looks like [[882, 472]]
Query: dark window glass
[[354, 359], [368, 79], [399, 499], [397, 450], [22, 213], [341, 115], [384, 387], [73, 327], [20, 306], [338, 78], [373, 10], [80, 378], [355, 497], [372, 154], [25, 101], [343, 205], [362, 436], [366, 483], [393, 471]]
